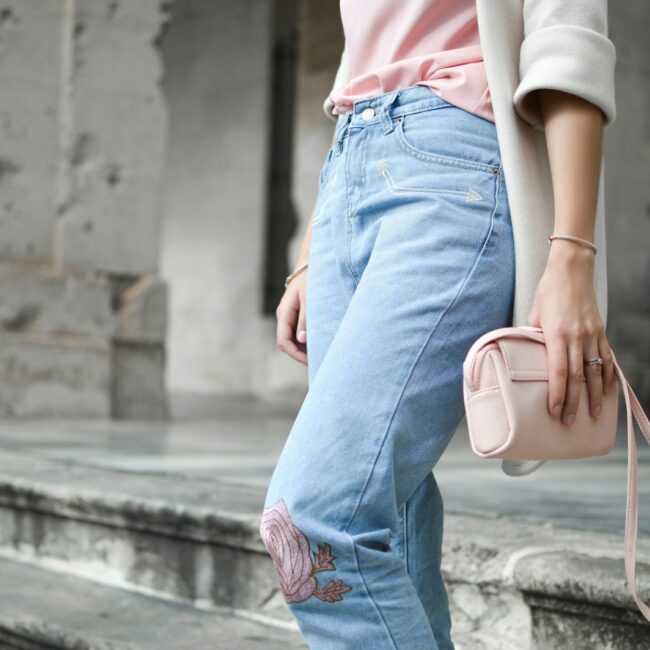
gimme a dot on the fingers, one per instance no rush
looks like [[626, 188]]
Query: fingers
[[558, 368], [608, 372], [566, 356], [288, 314], [301, 330], [593, 374], [576, 376]]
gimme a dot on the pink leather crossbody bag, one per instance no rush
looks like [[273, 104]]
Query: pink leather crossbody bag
[[505, 387]]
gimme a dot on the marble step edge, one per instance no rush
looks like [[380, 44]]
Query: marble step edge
[[91, 616], [196, 509], [32, 633], [558, 563], [555, 580]]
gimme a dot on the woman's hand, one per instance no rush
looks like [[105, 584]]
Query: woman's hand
[[291, 314], [565, 308]]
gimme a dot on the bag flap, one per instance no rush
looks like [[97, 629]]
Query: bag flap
[[524, 359]]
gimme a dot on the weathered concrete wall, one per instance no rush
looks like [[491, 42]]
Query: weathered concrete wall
[[55, 331], [82, 139], [139, 389], [109, 219], [31, 70]]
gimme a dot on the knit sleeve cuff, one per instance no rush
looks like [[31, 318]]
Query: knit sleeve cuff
[[571, 58]]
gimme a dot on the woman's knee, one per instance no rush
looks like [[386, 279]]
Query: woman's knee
[[297, 564]]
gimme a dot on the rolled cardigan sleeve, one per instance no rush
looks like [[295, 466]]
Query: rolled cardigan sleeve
[[341, 79], [565, 47]]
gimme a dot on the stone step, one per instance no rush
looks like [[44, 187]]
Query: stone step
[[197, 541], [189, 539], [46, 610], [526, 586], [581, 600]]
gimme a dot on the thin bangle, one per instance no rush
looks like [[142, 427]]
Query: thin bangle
[[578, 240], [293, 274]]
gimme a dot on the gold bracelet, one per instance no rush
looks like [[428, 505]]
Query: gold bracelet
[[293, 274], [578, 240]]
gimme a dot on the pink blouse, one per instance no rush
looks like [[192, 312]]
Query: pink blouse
[[394, 44]]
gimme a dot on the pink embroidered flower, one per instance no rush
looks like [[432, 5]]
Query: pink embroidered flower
[[291, 554]]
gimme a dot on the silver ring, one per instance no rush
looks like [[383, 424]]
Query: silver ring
[[595, 360]]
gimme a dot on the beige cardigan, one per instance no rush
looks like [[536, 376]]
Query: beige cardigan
[[531, 44]]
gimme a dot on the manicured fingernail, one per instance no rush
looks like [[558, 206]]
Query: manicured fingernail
[[302, 336], [556, 409], [597, 411], [570, 419]]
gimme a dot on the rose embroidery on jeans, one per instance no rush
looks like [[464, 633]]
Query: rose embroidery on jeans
[[291, 554]]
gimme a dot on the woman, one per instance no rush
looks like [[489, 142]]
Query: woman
[[416, 246]]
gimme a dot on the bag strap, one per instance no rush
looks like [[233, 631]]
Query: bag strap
[[633, 407], [634, 412]]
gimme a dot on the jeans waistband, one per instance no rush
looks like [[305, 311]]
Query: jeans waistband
[[383, 108]]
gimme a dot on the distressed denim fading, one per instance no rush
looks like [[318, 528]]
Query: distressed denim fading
[[411, 260]]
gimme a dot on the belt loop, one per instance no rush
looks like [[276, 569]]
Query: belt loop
[[384, 115]]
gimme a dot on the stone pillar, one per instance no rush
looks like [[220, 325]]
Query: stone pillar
[[82, 139], [217, 84]]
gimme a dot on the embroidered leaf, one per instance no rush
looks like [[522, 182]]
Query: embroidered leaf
[[324, 560], [332, 591]]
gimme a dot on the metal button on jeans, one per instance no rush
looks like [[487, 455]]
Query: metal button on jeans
[[368, 114]]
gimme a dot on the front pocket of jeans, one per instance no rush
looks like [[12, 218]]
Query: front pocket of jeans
[[456, 207], [468, 193], [412, 148]]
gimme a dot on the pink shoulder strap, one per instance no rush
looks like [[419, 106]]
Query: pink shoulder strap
[[632, 406]]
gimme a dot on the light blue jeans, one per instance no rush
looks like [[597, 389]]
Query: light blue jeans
[[411, 260]]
